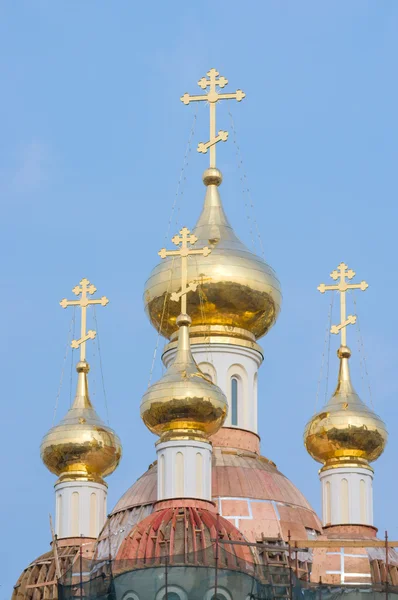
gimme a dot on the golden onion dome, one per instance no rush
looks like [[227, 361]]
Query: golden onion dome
[[346, 430], [183, 403], [237, 288], [81, 446]]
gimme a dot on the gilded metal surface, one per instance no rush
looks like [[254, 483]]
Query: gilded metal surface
[[346, 431], [212, 97], [85, 289], [237, 288], [343, 273], [218, 339], [184, 241], [183, 403], [216, 330], [81, 446]]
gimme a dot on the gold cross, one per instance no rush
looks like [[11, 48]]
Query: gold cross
[[212, 97], [343, 273], [85, 288], [182, 240]]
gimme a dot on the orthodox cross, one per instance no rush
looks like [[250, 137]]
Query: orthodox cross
[[343, 273], [184, 241], [212, 97], [84, 289]]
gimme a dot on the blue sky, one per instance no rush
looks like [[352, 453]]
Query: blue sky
[[92, 142]]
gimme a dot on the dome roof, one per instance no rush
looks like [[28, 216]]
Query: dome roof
[[39, 580], [346, 429], [81, 446], [183, 402], [185, 532], [247, 487], [237, 288]]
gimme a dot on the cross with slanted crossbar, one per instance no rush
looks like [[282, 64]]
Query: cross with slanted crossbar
[[182, 240], [343, 273], [212, 98], [85, 288]]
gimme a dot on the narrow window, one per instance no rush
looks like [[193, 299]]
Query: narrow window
[[234, 401], [59, 515], [362, 496], [161, 478], [344, 501], [75, 514], [93, 515], [199, 475], [179, 474], [328, 515]]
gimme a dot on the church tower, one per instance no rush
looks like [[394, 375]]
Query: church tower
[[346, 436], [233, 299], [184, 407], [81, 450]]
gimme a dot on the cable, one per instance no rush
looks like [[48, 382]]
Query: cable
[[326, 342], [69, 339], [71, 362], [246, 192], [362, 355], [100, 361]]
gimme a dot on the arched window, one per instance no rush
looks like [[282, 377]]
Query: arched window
[[59, 516], [199, 475], [344, 502], [173, 593], [222, 594], [162, 480], [362, 500], [93, 515], [75, 509], [208, 371], [328, 504], [179, 475], [234, 400], [130, 596]]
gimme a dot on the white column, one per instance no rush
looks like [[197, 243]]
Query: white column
[[80, 508], [347, 496], [184, 469], [222, 362]]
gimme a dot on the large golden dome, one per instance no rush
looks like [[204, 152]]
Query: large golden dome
[[81, 446], [346, 430], [237, 288], [183, 403]]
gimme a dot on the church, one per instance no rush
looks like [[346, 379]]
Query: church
[[213, 519]]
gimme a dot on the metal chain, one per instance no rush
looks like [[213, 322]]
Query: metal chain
[[69, 339], [326, 343], [100, 362], [182, 179], [362, 354], [202, 313], [71, 362], [93, 368], [178, 195], [246, 191], [160, 324], [328, 361]]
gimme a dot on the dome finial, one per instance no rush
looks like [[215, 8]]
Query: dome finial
[[185, 240], [183, 403], [346, 431], [84, 289], [343, 273], [82, 447], [212, 97]]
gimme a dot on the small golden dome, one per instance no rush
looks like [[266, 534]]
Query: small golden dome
[[346, 430], [81, 446], [237, 288], [183, 403]]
